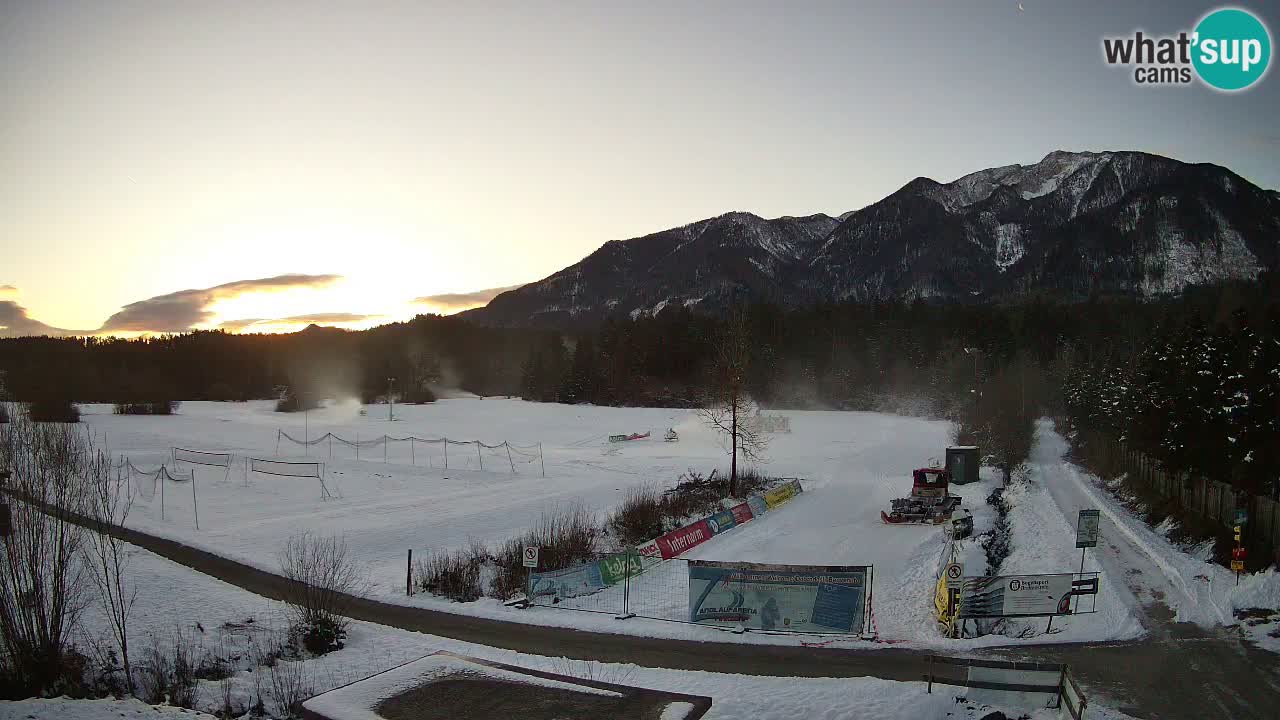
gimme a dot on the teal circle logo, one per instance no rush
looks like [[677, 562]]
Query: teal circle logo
[[1232, 49]]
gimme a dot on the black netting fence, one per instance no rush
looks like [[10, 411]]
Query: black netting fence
[[434, 452]]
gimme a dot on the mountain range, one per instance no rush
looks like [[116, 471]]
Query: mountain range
[[1073, 225]]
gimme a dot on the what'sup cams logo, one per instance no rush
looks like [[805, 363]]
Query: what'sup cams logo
[[1229, 50]]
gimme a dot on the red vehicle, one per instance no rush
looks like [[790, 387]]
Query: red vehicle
[[930, 502]]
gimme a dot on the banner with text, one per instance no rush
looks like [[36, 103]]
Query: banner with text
[[1016, 595], [797, 598]]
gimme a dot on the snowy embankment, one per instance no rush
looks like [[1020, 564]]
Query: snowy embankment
[[1154, 568]]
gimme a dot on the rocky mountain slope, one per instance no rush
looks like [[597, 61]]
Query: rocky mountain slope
[[1070, 225]]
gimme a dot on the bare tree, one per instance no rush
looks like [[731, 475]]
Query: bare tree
[[42, 591], [728, 407], [323, 577], [107, 506]]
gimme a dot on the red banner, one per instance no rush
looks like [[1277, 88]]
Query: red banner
[[678, 541], [741, 513]]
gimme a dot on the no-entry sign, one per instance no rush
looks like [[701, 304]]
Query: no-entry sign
[[531, 557]]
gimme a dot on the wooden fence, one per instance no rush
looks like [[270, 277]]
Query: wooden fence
[[1210, 499]]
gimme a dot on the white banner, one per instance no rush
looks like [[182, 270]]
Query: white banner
[[1015, 595]]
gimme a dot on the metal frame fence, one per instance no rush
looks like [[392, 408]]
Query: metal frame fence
[[1066, 692], [627, 584], [512, 454]]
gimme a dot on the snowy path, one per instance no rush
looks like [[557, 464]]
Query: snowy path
[[1190, 664]]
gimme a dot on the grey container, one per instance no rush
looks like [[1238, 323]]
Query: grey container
[[962, 462]]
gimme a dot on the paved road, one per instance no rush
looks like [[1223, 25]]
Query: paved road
[[1179, 671]]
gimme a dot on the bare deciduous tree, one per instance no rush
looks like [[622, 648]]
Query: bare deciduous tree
[[107, 506], [43, 590], [323, 576], [728, 407]]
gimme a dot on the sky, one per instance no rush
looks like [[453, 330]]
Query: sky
[[257, 165]]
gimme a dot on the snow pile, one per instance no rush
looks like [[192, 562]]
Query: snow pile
[[65, 708]]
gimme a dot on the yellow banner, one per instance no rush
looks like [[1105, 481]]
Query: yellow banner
[[780, 495]]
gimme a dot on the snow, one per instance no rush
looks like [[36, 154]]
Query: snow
[[64, 708], [357, 701], [853, 464], [1195, 590], [173, 597]]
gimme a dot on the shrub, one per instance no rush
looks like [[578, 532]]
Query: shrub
[[169, 674], [162, 407], [53, 410], [291, 684], [323, 576], [4, 413], [640, 517], [567, 536], [453, 574]]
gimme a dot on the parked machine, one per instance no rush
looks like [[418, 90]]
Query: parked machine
[[671, 435], [930, 502]]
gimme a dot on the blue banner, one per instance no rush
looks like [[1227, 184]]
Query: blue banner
[[798, 598], [567, 583]]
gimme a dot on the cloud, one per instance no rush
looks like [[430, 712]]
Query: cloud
[[331, 318], [185, 309], [457, 302], [8, 291], [15, 322]]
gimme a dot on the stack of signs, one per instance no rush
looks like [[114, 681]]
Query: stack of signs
[[798, 598]]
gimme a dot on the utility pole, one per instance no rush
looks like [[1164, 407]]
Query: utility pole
[[391, 398]]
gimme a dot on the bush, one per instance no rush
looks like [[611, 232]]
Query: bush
[[323, 576], [453, 574], [4, 413], [640, 517], [567, 536], [169, 674], [50, 410], [162, 407]]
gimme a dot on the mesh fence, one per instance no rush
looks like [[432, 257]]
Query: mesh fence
[[434, 452], [621, 584], [201, 457]]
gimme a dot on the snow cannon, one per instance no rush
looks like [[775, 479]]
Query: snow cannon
[[930, 502]]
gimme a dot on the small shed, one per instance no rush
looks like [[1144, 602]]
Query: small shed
[[963, 462]]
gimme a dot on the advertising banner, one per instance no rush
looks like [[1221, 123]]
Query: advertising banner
[[799, 598], [1015, 595], [677, 541], [742, 513], [613, 569], [567, 583], [721, 521], [781, 494], [757, 505]]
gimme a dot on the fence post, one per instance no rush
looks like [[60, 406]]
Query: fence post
[[446, 453], [930, 675], [413, 457], [408, 574], [357, 444], [384, 448], [478, 455], [542, 462], [513, 464], [330, 446], [195, 506], [278, 431]]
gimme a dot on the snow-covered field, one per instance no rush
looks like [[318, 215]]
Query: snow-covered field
[[852, 465], [175, 599]]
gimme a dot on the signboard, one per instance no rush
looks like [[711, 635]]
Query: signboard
[[614, 569], [1016, 596], [678, 541], [781, 494], [531, 557], [946, 592], [1237, 566], [800, 598], [742, 513], [567, 583], [721, 521], [1087, 529]]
